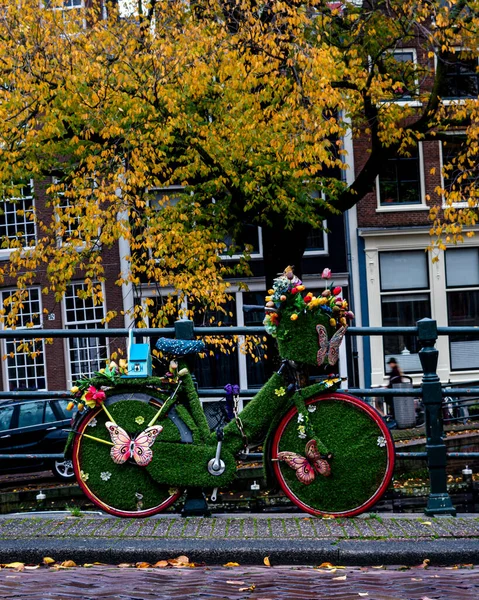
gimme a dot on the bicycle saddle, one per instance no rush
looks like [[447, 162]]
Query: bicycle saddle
[[179, 347]]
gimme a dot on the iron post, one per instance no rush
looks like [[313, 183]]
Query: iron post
[[439, 501]]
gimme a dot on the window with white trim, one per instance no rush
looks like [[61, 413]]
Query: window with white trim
[[400, 181], [85, 355], [405, 299], [459, 171], [462, 285], [404, 72], [25, 363], [17, 220], [462, 77]]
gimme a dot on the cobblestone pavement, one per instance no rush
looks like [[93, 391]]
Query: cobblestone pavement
[[244, 527], [243, 583]]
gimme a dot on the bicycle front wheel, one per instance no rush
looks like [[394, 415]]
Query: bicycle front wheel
[[124, 490], [362, 462]]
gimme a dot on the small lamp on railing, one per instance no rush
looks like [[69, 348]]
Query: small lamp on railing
[[40, 497]]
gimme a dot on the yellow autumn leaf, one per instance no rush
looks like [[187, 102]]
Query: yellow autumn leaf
[[18, 566], [48, 561], [266, 561], [231, 564]]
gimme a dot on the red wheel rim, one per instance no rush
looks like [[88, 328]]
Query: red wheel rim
[[389, 445], [91, 496]]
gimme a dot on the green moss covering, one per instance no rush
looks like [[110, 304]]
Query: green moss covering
[[258, 414], [298, 340], [174, 464], [190, 398], [117, 485], [358, 463]]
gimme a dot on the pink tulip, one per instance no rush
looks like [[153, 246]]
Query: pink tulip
[[326, 274]]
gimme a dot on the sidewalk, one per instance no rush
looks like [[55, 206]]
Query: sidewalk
[[371, 539]]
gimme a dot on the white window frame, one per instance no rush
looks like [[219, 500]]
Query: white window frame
[[452, 100], [382, 240], [407, 101], [419, 206], [65, 9], [6, 252], [83, 324], [19, 340], [325, 251], [463, 204]]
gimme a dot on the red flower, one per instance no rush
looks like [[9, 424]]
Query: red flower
[[294, 290], [94, 397], [337, 290], [308, 298]]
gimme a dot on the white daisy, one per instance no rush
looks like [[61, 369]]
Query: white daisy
[[311, 408], [92, 423], [381, 441], [105, 475]]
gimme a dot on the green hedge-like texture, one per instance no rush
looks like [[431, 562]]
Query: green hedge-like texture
[[298, 340], [358, 464], [258, 414], [117, 485]]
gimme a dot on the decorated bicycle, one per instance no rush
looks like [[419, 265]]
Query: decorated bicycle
[[138, 441]]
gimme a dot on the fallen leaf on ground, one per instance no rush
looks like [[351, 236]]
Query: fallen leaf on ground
[[125, 565], [161, 564], [142, 565], [231, 564], [416, 578], [48, 561], [247, 589], [342, 578], [18, 566], [266, 561], [233, 582], [32, 567], [425, 563], [363, 594], [426, 523], [68, 564], [379, 567]]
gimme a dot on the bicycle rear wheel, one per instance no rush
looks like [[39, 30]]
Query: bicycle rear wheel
[[125, 490], [362, 462]]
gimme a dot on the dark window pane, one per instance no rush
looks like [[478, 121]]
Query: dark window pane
[[463, 311], [461, 77], [400, 180], [404, 310]]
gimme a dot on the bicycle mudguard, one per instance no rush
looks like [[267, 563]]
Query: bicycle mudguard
[[186, 465]]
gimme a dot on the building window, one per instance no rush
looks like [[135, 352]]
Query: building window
[[17, 216], [317, 242], [250, 239], [405, 298], [462, 282], [86, 355], [400, 180], [459, 171], [462, 78], [25, 359], [405, 73]]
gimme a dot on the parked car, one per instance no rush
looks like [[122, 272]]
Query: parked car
[[34, 427]]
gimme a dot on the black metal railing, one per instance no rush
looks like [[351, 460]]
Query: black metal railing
[[431, 391]]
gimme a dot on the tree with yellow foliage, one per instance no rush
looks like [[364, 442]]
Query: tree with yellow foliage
[[241, 106]]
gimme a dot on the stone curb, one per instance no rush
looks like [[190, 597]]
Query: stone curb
[[246, 539]]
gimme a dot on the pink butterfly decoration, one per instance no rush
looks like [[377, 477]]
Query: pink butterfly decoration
[[306, 468], [139, 447], [329, 348]]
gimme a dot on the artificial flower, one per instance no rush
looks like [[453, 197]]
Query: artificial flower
[[295, 290], [84, 476], [326, 274], [337, 290], [92, 423], [311, 408], [75, 389], [94, 397], [280, 391], [70, 405], [293, 317], [105, 475], [140, 420], [332, 322]]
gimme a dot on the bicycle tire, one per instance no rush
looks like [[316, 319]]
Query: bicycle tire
[[362, 462], [125, 490]]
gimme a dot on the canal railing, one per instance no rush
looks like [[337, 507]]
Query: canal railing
[[431, 390]]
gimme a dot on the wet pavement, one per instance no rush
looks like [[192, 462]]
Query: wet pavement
[[458, 582]]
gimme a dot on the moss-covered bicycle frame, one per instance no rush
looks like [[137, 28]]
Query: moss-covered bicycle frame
[[282, 417]]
